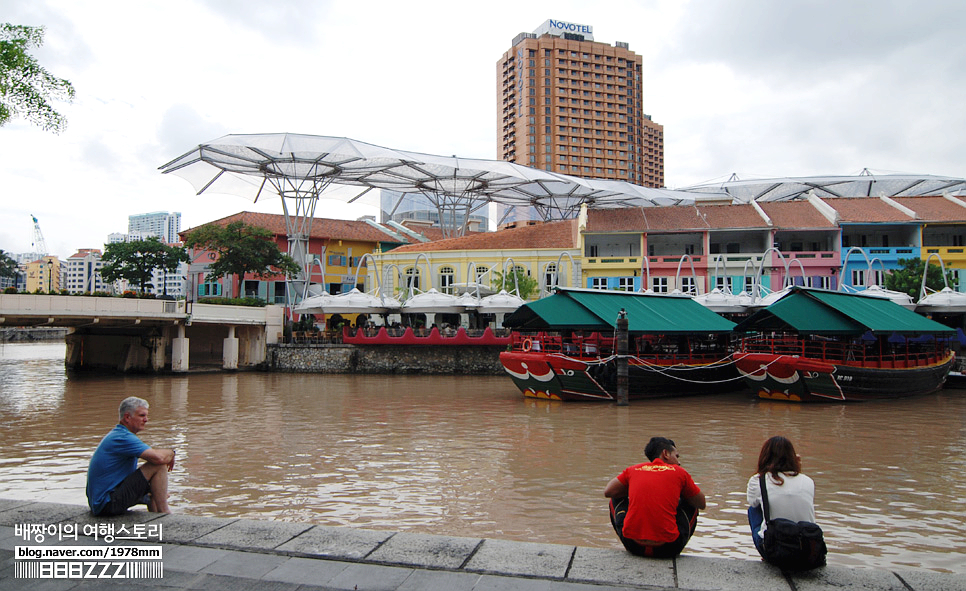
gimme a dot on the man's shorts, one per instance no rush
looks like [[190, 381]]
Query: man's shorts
[[686, 519], [130, 492]]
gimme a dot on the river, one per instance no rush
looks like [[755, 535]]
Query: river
[[469, 456]]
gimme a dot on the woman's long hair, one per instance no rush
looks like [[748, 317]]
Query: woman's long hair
[[777, 456]]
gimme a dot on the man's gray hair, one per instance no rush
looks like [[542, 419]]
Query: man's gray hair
[[129, 405]]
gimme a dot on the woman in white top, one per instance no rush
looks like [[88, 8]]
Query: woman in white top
[[791, 494]]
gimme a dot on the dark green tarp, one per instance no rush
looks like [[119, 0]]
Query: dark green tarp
[[812, 311], [598, 310]]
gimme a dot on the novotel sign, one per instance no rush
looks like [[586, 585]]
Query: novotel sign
[[558, 28]]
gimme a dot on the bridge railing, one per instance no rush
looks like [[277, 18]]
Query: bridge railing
[[60, 305]]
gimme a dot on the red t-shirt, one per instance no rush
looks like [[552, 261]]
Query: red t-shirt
[[655, 489]]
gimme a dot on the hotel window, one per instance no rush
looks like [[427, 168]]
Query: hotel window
[[598, 282], [858, 277], [721, 283], [659, 284], [446, 275], [821, 282], [749, 284], [625, 283]]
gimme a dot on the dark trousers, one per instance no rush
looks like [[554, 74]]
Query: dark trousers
[[686, 519], [755, 517]]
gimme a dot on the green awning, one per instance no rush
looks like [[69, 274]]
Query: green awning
[[598, 310], [810, 311], [551, 313]]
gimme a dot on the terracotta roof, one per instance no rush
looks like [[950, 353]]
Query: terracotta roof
[[867, 210], [796, 214], [321, 227], [724, 217], [934, 209], [560, 234], [625, 219], [83, 252]]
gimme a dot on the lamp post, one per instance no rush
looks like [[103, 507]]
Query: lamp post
[[50, 271]]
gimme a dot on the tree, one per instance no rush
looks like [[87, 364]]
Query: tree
[[136, 261], [908, 279], [8, 266], [242, 249], [26, 88], [517, 278]]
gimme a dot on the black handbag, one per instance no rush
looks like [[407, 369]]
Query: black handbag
[[790, 545]]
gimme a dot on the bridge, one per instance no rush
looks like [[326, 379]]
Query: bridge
[[126, 334]]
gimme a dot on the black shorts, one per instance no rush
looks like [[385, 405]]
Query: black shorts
[[686, 519], [130, 492]]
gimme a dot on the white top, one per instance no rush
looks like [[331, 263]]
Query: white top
[[794, 500]]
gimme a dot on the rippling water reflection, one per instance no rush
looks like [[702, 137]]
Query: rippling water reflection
[[468, 456]]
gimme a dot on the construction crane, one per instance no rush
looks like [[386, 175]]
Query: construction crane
[[39, 245]]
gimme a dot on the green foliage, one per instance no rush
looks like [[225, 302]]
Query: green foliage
[[8, 266], [136, 261], [250, 302], [242, 249], [908, 279], [517, 278], [10, 289], [25, 87]]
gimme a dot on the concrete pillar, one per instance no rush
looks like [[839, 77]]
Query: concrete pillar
[[156, 347], [74, 359], [179, 351], [230, 350]]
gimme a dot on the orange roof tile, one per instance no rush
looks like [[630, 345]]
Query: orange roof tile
[[625, 219], [795, 214], [560, 234], [866, 210], [934, 209], [321, 227], [723, 217]]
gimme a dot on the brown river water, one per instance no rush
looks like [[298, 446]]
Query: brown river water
[[469, 456]]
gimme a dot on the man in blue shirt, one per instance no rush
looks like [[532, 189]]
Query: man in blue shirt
[[114, 481]]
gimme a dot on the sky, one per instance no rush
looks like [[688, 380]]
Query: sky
[[755, 88]]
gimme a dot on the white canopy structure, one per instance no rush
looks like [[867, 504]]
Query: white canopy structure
[[865, 184], [300, 167]]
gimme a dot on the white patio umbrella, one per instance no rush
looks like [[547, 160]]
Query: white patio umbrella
[[877, 291], [723, 302], [431, 303]]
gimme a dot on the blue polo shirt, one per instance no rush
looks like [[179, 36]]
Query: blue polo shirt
[[115, 457]]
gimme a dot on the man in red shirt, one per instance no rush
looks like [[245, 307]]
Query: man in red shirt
[[654, 506]]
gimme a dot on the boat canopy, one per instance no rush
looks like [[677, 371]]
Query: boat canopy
[[594, 309], [820, 312]]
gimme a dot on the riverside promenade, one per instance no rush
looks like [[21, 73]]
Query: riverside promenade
[[221, 553]]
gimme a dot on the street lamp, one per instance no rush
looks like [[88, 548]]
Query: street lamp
[[50, 278]]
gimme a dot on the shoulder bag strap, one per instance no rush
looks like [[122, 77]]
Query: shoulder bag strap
[[764, 495]]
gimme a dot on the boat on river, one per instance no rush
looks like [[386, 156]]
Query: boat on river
[[563, 347], [816, 345]]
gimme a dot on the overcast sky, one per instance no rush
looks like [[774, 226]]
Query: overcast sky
[[754, 87]]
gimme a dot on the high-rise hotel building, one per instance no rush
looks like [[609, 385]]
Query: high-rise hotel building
[[569, 104]]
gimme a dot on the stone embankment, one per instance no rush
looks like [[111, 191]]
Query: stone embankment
[[218, 553], [385, 359]]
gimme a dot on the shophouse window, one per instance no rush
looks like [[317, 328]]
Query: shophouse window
[[446, 276], [688, 285]]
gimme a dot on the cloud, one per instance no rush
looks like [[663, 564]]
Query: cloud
[[182, 128]]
